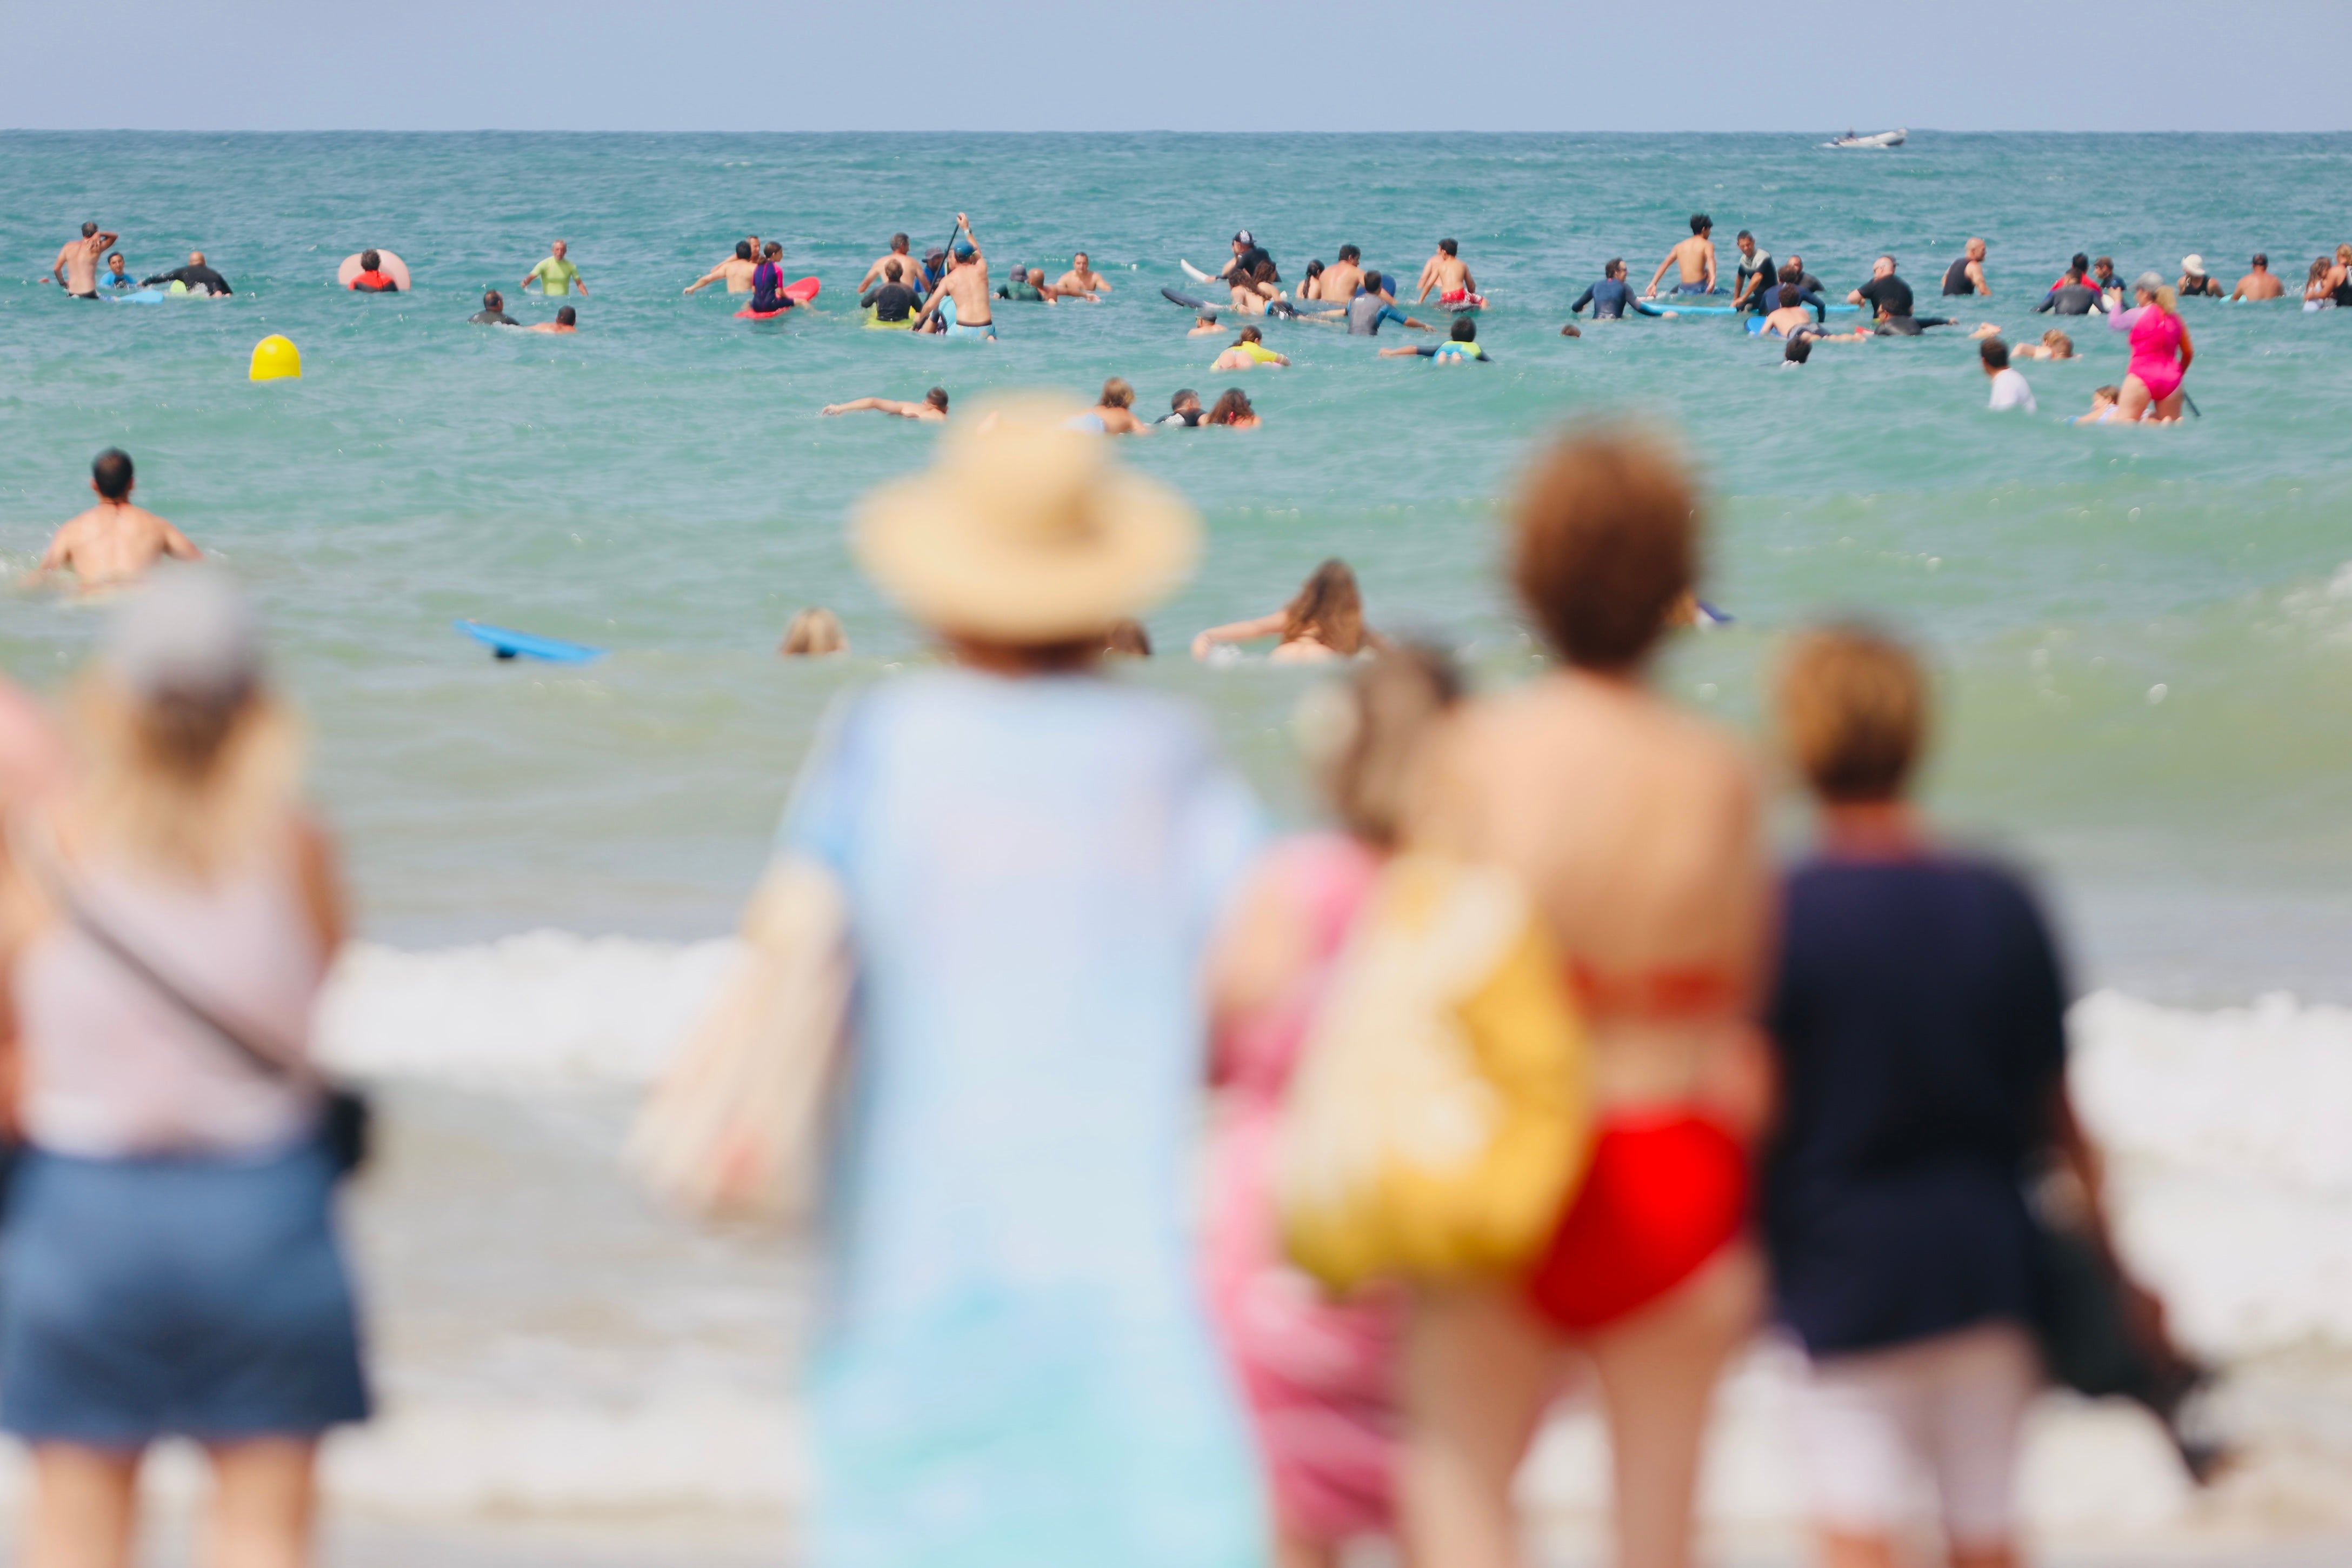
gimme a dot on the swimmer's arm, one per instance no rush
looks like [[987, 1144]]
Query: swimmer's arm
[[1582, 300], [1266, 625], [1651, 291], [1400, 353], [1644, 309], [932, 303], [1711, 275], [2188, 348], [177, 545], [713, 276]]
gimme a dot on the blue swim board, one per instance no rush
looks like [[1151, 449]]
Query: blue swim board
[[142, 296], [509, 644]]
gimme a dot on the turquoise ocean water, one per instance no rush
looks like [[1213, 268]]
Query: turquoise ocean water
[[2147, 635]]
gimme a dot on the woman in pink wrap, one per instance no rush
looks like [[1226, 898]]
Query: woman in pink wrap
[[2162, 352]]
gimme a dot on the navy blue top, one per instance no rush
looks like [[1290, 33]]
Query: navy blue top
[[1609, 297], [1919, 1021]]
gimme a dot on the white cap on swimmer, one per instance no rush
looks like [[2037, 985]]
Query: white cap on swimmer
[[1244, 238], [189, 631], [2194, 266]]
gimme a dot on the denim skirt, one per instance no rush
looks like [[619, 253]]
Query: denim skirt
[[203, 1298]]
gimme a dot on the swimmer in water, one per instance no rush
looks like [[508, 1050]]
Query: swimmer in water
[[567, 319], [199, 278], [768, 296], [1257, 293], [1967, 273], [2102, 407], [2259, 282], [1447, 273], [933, 408], [1461, 346], [1233, 412], [1612, 295], [493, 312], [892, 301], [1184, 409], [1206, 325], [2055, 344], [895, 255], [2162, 352], [1247, 353], [1323, 621], [1753, 283], [813, 633], [735, 271], [1082, 281], [2071, 296], [75, 268], [966, 284], [555, 274], [2316, 294], [1694, 257], [372, 278], [1340, 282], [1114, 412], [2196, 280], [117, 277], [1788, 318], [113, 542]]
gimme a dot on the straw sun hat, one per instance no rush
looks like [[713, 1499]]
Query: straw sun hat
[[1025, 532]]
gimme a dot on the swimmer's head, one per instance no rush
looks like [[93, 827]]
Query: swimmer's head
[[1448, 246], [891, 271], [2060, 346], [1243, 239], [963, 251], [1252, 335], [1184, 399], [1329, 605], [1976, 250], [87, 230], [1853, 712], [742, 250], [196, 258], [1746, 241], [1232, 408], [1789, 295], [2104, 265], [813, 633], [1994, 353], [771, 251], [1037, 277], [1080, 263], [1315, 269], [1701, 223], [1349, 253], [2082, 265], [1800, 350], [2344, 253], [898, 244], [2105, 395], [493, 300], [1117, 394], [2075, 274], [114, 260], [370, 261], [1883, 267], [1606, 541], [1613, 267], [1205, 319], [109, 473], [566, 316], [938, 398], [558, 249], [2261, 263], [1466, 330], [2147, 283], [1372, 284]]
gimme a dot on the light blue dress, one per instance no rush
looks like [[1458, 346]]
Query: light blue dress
[[1017, 1370]]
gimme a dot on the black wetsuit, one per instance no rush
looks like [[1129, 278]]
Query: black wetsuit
[[1747, 269], [2069, 299], [488, 317], [1610, 299], [1910, 326], [1889, 293], [2342, 293], [194, 276], [891, 301], [1187, 417]]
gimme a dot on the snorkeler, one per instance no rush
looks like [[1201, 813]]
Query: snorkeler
[[933, 407]]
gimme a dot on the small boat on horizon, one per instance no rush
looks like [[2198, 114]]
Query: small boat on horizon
[[1877, 139]]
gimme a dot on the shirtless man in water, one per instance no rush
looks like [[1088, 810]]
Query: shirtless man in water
[[898, 253], [1447, 273], [1696, 258], [933, 407], [736, 269], [76, 266], [966, 284], [1342, 278], [114, 542], [1082, 281], [2259, 284]]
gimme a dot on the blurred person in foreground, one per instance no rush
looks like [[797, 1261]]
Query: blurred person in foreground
[[1919, 1024], [1320, 1375], [171, 1260], [1018, 1369], [1634, 826]]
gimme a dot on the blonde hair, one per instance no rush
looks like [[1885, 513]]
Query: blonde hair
[[191, 785], [2167, 300], [1854, 709], [1117, 394], [813, 633], [2054, 339], [1366, 738]]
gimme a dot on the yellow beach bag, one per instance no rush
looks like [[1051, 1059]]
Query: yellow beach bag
[[1441, 1115]]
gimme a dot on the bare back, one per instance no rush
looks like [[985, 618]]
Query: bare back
[[967, 285], [1696, 258], [113, 542], [1637, 828], [79, 259], [1340, 281]]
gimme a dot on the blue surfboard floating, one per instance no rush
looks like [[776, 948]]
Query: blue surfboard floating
[[508, 644], [142, 296]]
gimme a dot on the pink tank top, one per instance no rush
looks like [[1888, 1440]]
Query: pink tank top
[[113, 1069], [2155, 344]]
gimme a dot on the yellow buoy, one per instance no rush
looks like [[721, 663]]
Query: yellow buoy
[[273, 357]]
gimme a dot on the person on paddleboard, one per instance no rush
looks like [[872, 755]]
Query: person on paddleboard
[[966, 284]]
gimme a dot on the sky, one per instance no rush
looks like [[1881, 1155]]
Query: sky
[[1115, 65]]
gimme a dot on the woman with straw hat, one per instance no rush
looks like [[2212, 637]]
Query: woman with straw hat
[[1016, 1369], [170, 1264]]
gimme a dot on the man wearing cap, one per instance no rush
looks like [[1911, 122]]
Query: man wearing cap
[[114, 542], [966, 284], [2193, 279], [2259, 283], [1247, 254]]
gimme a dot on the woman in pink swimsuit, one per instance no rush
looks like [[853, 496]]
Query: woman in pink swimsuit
[[2160, 351], [1320, 1377]]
